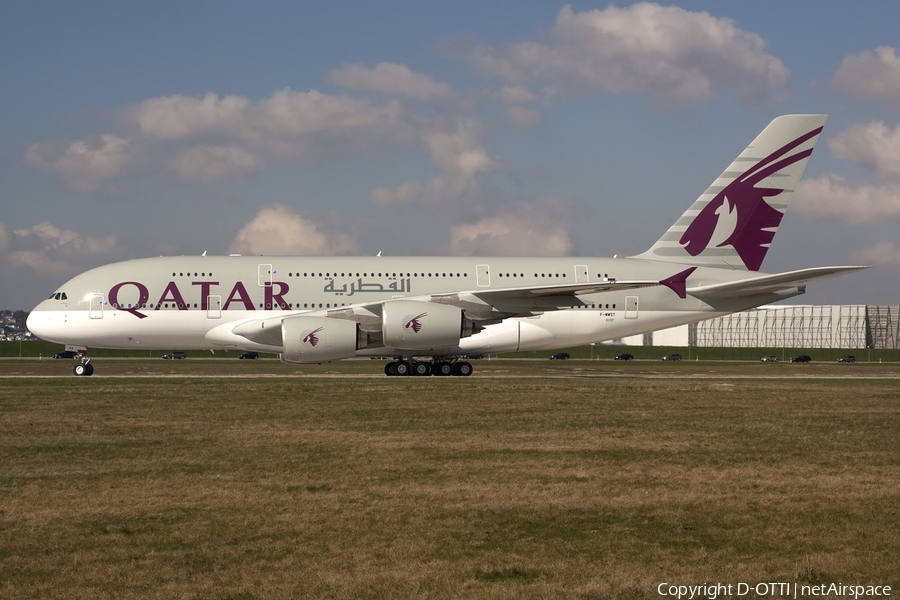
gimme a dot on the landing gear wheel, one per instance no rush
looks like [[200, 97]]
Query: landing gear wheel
[[390, 369], [463, 369], [402, 367], [442, 369], [84, 369], [421, 369]]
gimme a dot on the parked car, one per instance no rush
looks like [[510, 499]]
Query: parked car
[[769, 358], [175, 354], [675, 356], [560, 356], [623, 356], [847, 358], [801, 358], [249, 356], [66, 354]]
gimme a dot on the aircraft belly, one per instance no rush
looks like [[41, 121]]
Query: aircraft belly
[[508, 336], [579, 327], [120, 329]]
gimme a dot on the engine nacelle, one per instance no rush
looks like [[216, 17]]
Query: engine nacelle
[[415, 325], [319, 339]]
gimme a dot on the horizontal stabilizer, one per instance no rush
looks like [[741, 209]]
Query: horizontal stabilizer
[[769, 284]]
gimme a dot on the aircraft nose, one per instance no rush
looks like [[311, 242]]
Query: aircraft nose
[[40, 322]]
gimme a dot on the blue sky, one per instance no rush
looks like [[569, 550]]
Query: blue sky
[[514, 128]]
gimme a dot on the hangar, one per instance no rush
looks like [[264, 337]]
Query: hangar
[[791, 326]]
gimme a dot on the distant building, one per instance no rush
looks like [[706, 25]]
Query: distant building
[[788, 326]]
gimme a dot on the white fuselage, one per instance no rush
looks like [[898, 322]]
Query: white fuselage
[[196, 302]]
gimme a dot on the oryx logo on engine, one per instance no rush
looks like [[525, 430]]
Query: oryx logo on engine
[[414, 323], [311, 338]]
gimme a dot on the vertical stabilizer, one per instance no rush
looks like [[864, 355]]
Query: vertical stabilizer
[[733, 222]]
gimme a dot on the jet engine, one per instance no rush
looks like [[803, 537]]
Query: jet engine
[[319, 339], [415, 325]]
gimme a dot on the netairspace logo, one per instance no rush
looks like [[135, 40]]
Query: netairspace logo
[[771, 590]]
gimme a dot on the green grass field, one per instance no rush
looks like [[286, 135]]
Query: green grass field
[[229, 480]]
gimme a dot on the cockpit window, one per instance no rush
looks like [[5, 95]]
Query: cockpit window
[[59, 296], [64, 296]]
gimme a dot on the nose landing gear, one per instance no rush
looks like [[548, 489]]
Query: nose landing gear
[[84, 368]]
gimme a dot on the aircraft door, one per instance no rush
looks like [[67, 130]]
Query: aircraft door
[[483, 275], [631, 307], [96, 307], [214, 307], [581, 274], [265, 275]]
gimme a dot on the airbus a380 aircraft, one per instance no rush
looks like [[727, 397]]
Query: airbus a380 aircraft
[[428, 313]]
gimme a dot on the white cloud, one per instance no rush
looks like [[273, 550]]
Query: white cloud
[[882, 253], [178, 117], [874, 146], [212, 164], [522, 117], [213, 139], [871, 76], [456, 149], [527, 228], [514, 98], [408, 192], [669, 53], [834, 196], [210, 139], [84, 165], [279, 230], [509, 235], [459, 153], [514, 94], [38, 262], [47, 249], [392, 80], [66, 240]]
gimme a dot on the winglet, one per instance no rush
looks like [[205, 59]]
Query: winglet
[[678, 282]]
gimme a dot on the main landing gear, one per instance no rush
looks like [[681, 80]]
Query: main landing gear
[[441, 368], [84, 368]]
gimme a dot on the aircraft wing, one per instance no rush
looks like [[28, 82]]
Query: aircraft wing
[[769, 284], [552, 297]]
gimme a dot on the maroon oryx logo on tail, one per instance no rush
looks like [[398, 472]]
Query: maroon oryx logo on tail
[[739, 215], [414, 323], [311, 338]]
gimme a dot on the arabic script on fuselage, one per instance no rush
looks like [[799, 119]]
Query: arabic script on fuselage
[[359, 286]]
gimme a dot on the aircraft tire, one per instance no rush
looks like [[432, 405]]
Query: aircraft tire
[[421, 369], [462, 369], [402, 367], [390, 369], [442, 369], [83, 370]]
